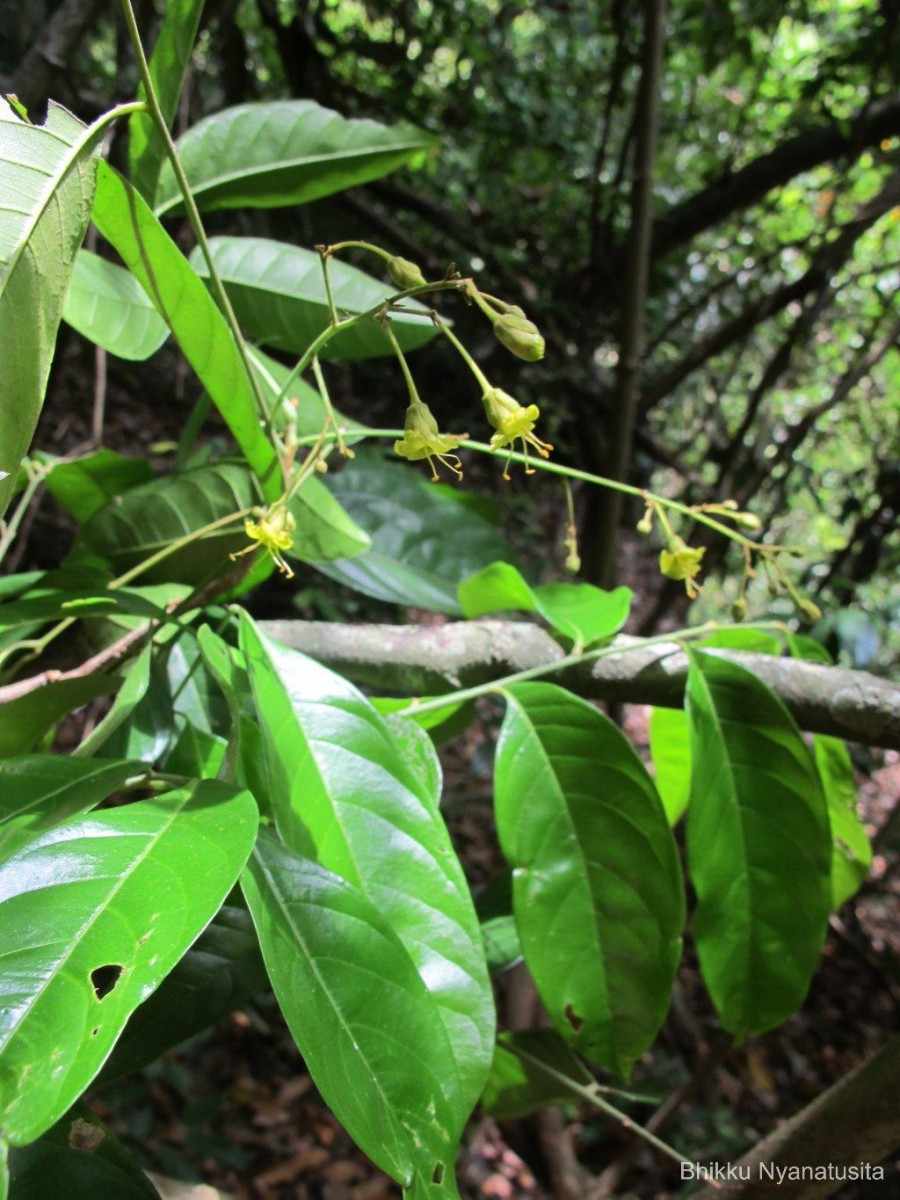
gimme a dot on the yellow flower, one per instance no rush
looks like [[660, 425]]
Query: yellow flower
[[680, 561], [513, 423], [421, 439], [273, 532]]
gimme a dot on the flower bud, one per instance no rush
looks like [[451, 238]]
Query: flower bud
[[739, 609], [519, 335], [405, 273], [811, 611], [748, 520], [645, 524]]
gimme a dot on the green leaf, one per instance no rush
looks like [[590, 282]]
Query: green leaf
[[284, 152], [107, 305], [169, 64], [367, 1027], [597, 891], [579, 611], [220, 973], [519, 1086], [278, 294], [23, 722], [45, 204], [79, 1159], [423, 541], [95, 914], [40, 791], [86, 485], [851, 855], [181, 298], [345, 794], [759, 847], [152, 516], [130, 694], [670, 749], [310, 415], [325, 530]]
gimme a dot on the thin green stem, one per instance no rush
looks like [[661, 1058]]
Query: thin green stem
[[323, 259], [354, 245], [465, 355], [172, 547], [329, 409], [414, 397], [36, 475], [193, 213]]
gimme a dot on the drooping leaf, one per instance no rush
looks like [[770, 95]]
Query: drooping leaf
[[222, 971], [40, 791], [370, 1032], [284, 152], [597, 891], [80, 1159], [182, 300], [851, 855], [670, 749], [518, 1084], [169, 64], [278, 293], [45, 204], [107, 305], [345, 794], [579, 611], [95, 914], [759, 847], [423, 541]]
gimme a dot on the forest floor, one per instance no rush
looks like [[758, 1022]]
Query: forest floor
[[235, 1112]]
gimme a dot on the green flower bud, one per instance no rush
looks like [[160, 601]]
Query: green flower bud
[[519, 335], [748, 520], [645, 524], [405, 273], [739, 609]]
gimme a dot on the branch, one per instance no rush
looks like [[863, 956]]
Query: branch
[[744, 188], [857, 1121], [428, 660]]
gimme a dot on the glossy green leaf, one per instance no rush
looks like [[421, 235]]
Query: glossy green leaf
[[325, 530], [597, 891], [95, 914], [518, 1084], [182, 300], [423, 541], [221, 972], [579, 611], [759, 847], [80, 1159], [345, 794], [23, 722], [670, 749], [369, 1031], [738, 637], [196, 754], [278, 293], [851, 855], [284, 152], [45, 203], [134, 688], [40, 791], [169, 63], [84, 485], [107, 305]]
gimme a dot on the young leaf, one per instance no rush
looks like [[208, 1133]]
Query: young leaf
[[95, 914], [169, 64], [579, 611], [759, 847], [670, 749], [851, 855], [45, 204], [370, 1032], [278, 294], [125, 220], [597, 891], [345, 795], [107, 305], [423, 541], [284, 152]]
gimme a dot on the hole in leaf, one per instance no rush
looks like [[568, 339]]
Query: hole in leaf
[[95, 1031], [573, 1018], [85, 1136], [104, 979], [437, 1175]]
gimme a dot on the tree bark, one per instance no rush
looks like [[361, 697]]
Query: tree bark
[[855, 1123], [429, 660]]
